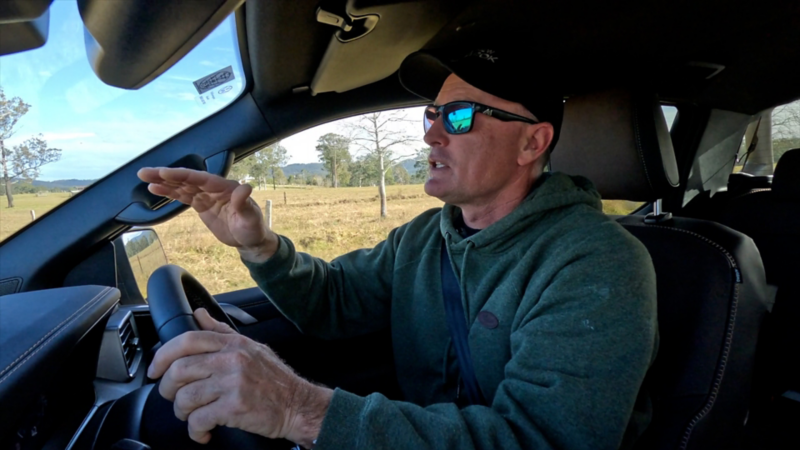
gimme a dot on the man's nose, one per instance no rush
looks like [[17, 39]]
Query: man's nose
[[436, 135]]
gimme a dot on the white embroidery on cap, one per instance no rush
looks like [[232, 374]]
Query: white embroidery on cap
[[485, 54]]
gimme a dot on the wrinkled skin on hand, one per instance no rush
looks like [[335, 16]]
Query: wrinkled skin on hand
[[218, 377], [224, 206]]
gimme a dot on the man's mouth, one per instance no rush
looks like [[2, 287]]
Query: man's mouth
[[437, 165]]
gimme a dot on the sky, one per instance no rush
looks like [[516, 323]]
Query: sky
[[99, 127]]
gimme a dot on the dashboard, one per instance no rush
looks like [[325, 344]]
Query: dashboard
[[67, 353]]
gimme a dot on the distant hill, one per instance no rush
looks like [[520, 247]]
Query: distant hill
[[408, 164], [312, 168], [319, 169], [63, 183]]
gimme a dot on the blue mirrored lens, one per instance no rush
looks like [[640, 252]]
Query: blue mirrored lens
[[458, 119]]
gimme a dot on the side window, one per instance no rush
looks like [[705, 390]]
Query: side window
[[670, 113], [783, 132], [322, 189], [785, 129]]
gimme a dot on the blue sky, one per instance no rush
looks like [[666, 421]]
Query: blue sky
[[99, 127]]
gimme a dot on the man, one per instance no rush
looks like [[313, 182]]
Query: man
[[559, 299]]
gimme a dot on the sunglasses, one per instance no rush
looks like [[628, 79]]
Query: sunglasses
[[458, 117]]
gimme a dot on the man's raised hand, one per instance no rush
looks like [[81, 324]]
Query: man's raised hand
[[224, 206]]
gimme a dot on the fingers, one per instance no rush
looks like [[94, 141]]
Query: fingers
[[239, 197], [174, 182], [187, 344], [149, 175], [202, 420], [209, 323], [207, 182], [194, 395], [182, 372]]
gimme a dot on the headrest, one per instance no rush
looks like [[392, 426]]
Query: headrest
[[786, 181], [620, 141]]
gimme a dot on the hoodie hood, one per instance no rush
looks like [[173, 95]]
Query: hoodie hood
[[557, 191]]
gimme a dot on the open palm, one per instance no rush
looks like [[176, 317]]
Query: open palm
[[224, 206]]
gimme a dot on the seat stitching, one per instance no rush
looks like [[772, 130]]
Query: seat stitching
[[720, 372], [95, 300], [87, 304], [731, 259], [752, 191]]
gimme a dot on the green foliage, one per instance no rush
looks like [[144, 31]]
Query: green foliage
[[334, 152], [263, 166], [421, 165], [26, 159], [139, 241], [365, 171], [401, 175], [27, 188], [241, 169]]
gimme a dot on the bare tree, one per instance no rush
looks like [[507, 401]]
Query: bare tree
[[786, 121], [382, 135], [785, 128], [25, 159]]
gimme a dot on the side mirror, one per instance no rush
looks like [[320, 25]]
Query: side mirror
[[144, 254]]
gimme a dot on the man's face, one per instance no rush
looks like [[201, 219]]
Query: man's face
[[476, 167]]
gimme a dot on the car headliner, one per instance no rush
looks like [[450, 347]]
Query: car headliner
[[667, 46]]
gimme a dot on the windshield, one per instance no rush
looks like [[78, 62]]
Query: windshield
[[71, 129]]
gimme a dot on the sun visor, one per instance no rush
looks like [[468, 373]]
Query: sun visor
[[130, 43], [23, 25], [373, 38]]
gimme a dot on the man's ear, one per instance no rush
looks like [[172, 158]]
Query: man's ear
[[538, 138]]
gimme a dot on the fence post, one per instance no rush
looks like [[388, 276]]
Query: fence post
[[33, 215], [284, 197], [268, 214]]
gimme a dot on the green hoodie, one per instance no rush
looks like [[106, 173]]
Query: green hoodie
[[575, 299]]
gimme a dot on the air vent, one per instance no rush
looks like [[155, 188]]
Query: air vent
[[129, 341], [120, 352]]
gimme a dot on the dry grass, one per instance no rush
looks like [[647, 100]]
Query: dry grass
[[322, 221], [12, 219]]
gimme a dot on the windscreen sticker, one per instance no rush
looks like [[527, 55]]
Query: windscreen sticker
[[224, 93], [217, 78]]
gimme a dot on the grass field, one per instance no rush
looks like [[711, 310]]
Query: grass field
[[322, 221]]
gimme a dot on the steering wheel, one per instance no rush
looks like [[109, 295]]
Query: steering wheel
[[174, 294]]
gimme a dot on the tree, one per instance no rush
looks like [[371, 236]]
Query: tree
[[421, 166], [26, 159], [379, 135], [362, 172], [401, 175], [263, 165], [271, 158], [334, 153], [785, 128], [241, 170]]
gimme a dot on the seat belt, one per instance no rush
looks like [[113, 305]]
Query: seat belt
[[457, 325]]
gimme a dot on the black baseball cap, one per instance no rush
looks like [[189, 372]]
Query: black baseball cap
[[499, 72]]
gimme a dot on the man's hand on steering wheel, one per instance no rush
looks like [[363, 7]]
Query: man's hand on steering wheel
[[219, 377], [224, 206]]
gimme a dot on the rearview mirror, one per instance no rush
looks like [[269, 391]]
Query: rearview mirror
[[145, 254], [130, 43]]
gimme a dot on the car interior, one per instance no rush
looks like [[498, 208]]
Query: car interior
[[77, 333]]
